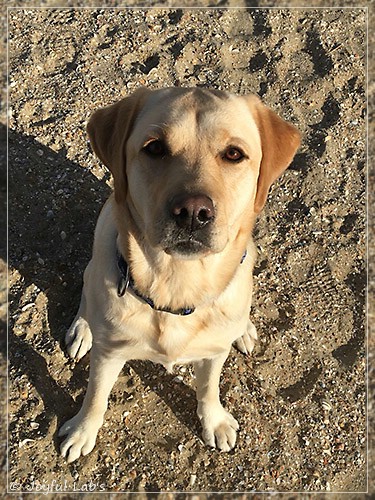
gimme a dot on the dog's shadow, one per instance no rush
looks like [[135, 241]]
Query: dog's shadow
[[180, 398], [53, 207]]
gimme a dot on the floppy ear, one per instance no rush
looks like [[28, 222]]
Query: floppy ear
[[109, 128], [279, 140]]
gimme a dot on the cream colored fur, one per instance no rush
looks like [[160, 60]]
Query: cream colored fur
[[197, 126]]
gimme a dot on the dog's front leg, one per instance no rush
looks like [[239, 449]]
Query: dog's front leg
[[82, 429], [219, 427]]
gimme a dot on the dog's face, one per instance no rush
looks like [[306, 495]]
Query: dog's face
[[192, 167], [188, 164]]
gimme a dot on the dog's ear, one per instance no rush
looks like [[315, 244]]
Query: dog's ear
[[109, 129], [279, 140]]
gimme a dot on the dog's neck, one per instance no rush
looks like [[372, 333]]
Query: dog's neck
[[173, 282]]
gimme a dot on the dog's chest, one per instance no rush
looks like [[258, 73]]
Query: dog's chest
[[168, 339]]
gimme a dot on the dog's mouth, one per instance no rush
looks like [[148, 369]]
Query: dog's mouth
[[187, 248]]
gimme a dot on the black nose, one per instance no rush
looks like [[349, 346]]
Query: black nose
[[192, 211]]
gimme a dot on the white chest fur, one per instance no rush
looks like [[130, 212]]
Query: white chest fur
[[136, 331]]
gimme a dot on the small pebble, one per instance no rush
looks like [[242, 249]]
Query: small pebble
[[24, 394], [326, 405], [63, 235], [27, 306], [25, 441]]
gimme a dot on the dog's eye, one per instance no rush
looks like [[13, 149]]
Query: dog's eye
[[155, 148], [233, 154]]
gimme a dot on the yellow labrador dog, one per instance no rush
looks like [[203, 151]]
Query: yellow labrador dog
[[170, 279]]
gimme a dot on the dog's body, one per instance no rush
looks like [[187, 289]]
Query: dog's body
[[191, 169]]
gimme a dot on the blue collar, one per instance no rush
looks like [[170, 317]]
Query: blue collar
[[126, 281]]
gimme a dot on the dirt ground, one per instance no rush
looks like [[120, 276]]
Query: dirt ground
[[301, 397]]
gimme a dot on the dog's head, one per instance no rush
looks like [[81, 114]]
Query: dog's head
[[192, 166]]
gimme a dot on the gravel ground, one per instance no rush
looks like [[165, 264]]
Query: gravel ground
[[300, 398]]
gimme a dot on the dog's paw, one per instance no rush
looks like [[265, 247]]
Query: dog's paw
[[81, 437], [219, 428], [246, 343], [78, 339]]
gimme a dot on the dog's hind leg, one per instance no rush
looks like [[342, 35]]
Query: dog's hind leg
[[246, 342], [78, 338]]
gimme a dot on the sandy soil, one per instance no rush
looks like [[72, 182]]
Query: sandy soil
[[301, 397]]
